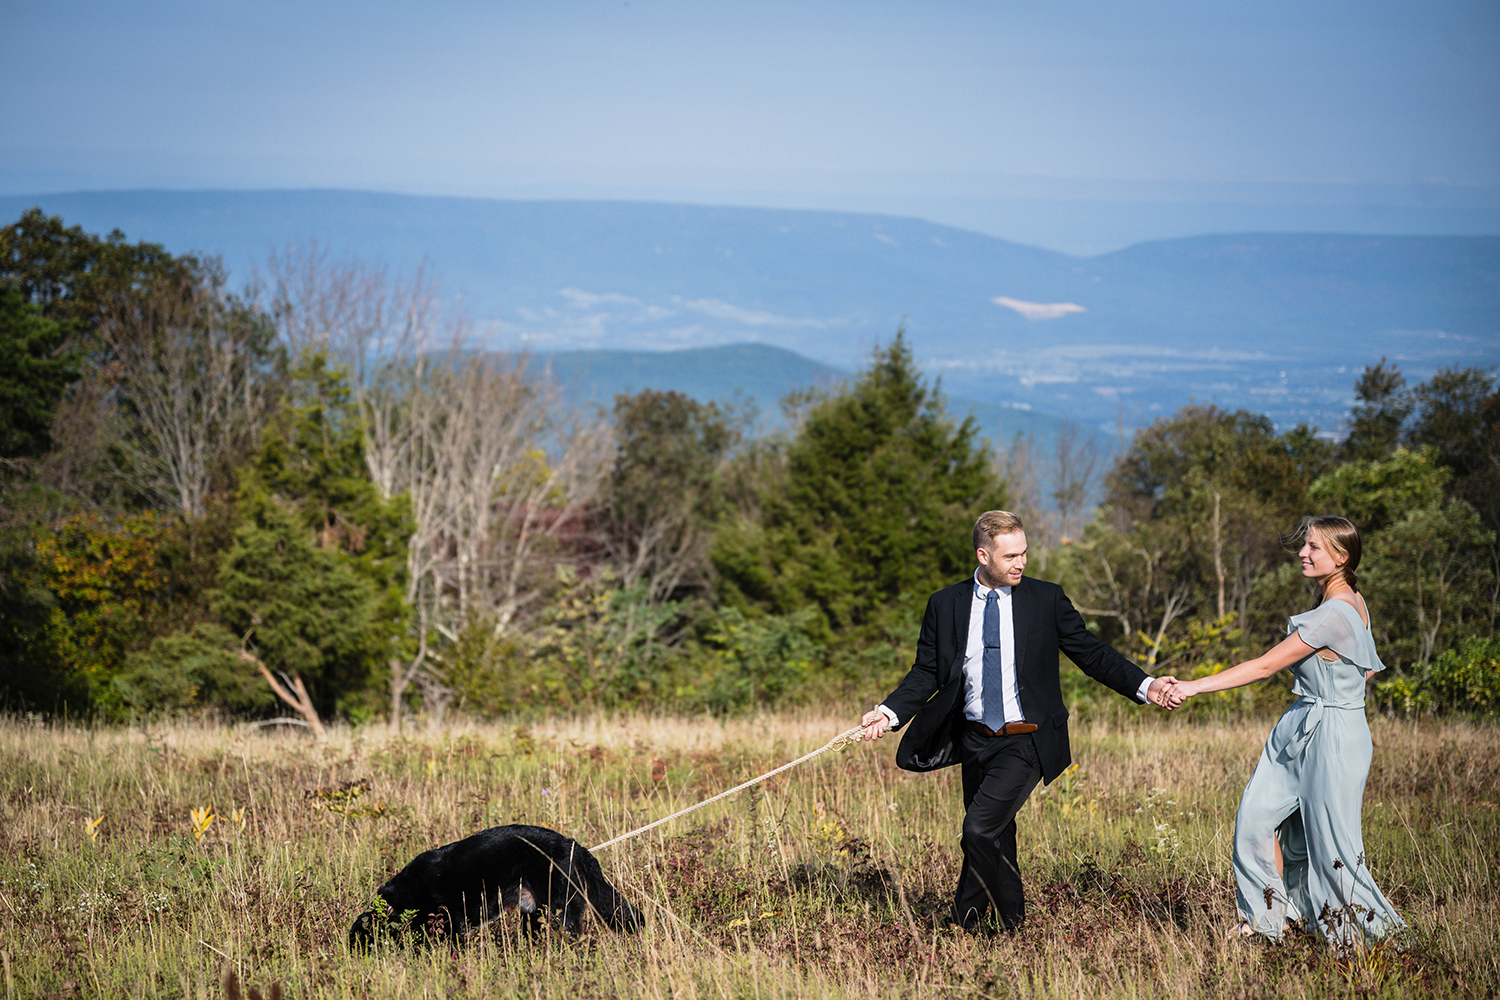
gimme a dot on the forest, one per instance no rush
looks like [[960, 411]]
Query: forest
[[316, 498]]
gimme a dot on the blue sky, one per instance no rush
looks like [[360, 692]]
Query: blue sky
[[932, 108]]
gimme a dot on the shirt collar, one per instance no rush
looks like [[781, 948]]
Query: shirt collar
[[980, 590]]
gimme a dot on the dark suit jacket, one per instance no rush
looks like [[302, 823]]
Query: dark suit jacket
[[932, 694]]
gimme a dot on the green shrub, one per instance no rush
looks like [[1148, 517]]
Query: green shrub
[[1466, 679]]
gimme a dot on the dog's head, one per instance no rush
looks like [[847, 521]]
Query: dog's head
[[625, 916], [362, 933]]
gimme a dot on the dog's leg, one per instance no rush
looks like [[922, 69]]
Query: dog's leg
[[531, 915], [573, 916]]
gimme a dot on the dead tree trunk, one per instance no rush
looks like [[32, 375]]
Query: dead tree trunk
[[293, 692], [1218, 551]]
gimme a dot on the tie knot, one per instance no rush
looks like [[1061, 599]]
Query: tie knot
[[993, 595]]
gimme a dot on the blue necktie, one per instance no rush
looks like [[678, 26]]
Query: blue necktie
[[994, 684]]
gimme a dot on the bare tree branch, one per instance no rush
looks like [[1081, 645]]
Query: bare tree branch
[[189, 386], [294, 693], [493, 478]]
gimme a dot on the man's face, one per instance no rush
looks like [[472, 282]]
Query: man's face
[[1002, 564]]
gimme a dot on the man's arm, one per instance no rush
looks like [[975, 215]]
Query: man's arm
[[916, 687], [1098, 659]]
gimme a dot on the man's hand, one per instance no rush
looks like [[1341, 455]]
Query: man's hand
[[876, 723], [1164, 691]]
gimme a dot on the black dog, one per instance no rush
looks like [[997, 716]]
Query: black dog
[[452, 889]]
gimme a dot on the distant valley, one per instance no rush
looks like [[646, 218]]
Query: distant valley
[[1276, 323], [761, 375]]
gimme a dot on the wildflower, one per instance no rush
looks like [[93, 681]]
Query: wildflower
[[31, 879], [91, 827], [202, 820], [1167, 842], [100, 901]]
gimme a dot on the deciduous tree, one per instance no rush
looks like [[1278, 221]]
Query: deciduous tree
[[666, 490], [194, 373], [494, 472]]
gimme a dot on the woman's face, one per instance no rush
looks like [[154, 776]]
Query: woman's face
[[1318, 562]]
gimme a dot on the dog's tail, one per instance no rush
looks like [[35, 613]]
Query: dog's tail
[[606, 901]]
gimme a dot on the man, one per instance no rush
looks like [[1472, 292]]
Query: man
[[984, 691]]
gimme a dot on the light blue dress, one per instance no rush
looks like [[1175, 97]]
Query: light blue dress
[[1307, 793]]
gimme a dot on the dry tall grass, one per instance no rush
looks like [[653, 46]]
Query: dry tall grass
[[825, 881]]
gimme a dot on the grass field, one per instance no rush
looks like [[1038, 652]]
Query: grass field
[[825, 881]]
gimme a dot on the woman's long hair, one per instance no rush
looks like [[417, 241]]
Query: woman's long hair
[[1341, 538]]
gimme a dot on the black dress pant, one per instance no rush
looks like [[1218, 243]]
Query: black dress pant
[[999, 773]]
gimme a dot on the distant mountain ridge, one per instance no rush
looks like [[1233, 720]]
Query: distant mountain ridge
[[1277, 323], [762, 376]]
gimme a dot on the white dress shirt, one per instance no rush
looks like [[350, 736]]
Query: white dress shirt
[[974, 662], [974, 657]]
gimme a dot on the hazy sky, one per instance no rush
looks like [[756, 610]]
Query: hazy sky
[[802, 103]]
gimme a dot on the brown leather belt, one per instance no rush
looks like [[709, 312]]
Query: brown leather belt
[[1009, 729]]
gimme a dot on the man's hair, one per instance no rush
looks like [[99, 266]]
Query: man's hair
[[992, 523]]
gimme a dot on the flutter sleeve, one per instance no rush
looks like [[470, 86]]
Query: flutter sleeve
[[1329, 625]]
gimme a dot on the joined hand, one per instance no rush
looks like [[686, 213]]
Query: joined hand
[[1166, 692]]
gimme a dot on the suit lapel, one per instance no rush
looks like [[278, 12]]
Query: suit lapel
[[1020, 618], [1021, 605], [960, 610]]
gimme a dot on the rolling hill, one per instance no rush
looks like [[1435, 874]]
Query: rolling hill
[[1277, 323]]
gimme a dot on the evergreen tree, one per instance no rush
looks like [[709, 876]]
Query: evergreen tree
[[306, 613], [871, 511], [312, 455], [312, 584], [312, 463], [33, 374], [1382, 408], [192, 669]]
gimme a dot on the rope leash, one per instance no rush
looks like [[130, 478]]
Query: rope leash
[[836, 744]]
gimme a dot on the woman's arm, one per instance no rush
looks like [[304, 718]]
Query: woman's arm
[[1280, 656]]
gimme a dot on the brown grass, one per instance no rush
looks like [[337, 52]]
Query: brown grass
[[824, 881]]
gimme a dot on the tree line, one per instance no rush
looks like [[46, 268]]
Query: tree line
[[316, 497]]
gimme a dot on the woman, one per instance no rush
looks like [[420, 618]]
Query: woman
[[1305, 794]]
